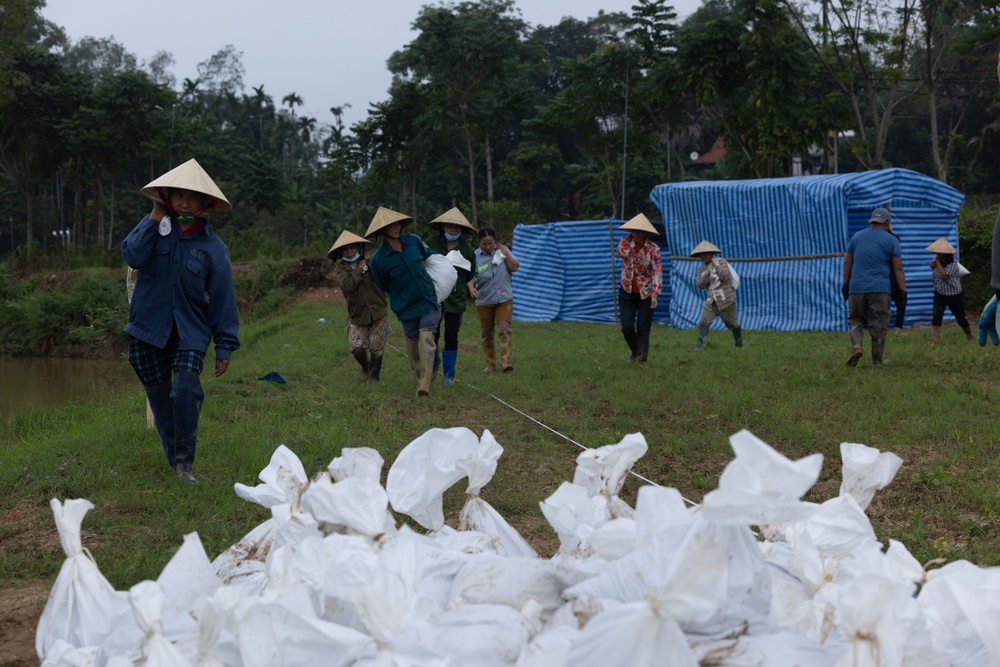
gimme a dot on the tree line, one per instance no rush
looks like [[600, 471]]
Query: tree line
[[513, 123]]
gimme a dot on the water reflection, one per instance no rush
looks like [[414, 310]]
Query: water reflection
[[45, 382]]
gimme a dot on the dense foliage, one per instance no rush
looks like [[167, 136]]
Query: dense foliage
[[512, 122]]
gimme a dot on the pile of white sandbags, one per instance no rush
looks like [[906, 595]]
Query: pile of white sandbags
[[331, 579]]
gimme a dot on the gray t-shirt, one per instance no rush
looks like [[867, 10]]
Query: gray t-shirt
[[493, 283]]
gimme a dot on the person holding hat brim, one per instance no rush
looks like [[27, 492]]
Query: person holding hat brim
[[368, 321], [495, 264], [183, 299], [871, 254], [451, 227], [715, 276], [947, 289], [640, 286], [398, 269]]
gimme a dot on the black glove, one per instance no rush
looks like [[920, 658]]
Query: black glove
[[846, 291]]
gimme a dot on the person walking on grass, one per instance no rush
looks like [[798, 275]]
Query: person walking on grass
[[871, 254], [947, 289], [450, 227], [398, 269], [183, 299], [641, 284], [897, 295], [495, 298], [368, 322], [716, 276]]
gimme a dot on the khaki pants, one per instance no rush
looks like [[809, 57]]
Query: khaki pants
[[490, 318]]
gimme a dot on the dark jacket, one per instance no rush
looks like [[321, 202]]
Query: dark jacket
[[402, 275], [458, 299], [365, 301]]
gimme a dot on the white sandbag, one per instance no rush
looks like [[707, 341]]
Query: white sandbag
[[602, 471], [481, 634], [949, 625], [82, 604], [443, 274], [549, 649], [977, 593], [187, 577], [865, 471], [358, 505], [243, 563], [638, 634], [425, 469], [760, 486], [614, 539], [512, 582], [573, 513], [658, 508], [274, 635], [363, 462], [146, 599], [63, 654], [283, 480], [840, 527], [479, 515]]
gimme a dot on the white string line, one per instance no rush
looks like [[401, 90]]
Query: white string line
[[565, 437]]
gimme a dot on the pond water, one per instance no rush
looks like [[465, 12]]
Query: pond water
[[45, 382]]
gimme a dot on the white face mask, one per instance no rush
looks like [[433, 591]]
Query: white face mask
[[351, 259]]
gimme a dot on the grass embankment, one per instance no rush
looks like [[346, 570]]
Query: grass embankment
[[935, 407]]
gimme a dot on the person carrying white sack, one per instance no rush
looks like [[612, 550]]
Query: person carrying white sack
[[495, 297], [716, 276], [398, 270]]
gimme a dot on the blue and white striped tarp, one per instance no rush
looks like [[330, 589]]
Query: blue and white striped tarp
[[798, 223], [566, 274]]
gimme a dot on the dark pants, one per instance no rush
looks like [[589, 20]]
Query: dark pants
[[955, 303], [452, 323], [637, 315], [868, 311]]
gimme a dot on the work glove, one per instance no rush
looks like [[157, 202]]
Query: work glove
[[988, 323], [846, 291]]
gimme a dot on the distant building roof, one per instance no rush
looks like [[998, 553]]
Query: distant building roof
[[717, 152]]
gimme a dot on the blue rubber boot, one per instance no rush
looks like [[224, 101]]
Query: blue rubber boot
[[188, 397], [448, 358], [162, 406]]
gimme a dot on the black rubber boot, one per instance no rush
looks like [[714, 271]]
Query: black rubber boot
[[361, 355], [643, 348], [162, 406], [375, 367], [738, 336], [633, 342], [878, 349], [188, 396]]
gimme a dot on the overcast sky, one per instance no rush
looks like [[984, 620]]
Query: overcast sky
[[329, 52]]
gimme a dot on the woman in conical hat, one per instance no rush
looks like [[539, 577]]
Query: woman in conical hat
[[947, 289], [183, 300], [450, 229], [398, 269], [641, 284], [715, 275], [366, 303]]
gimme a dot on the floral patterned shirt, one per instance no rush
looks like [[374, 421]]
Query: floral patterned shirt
[[641, 268]]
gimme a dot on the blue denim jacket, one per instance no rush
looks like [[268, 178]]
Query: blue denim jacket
[[187, 281]]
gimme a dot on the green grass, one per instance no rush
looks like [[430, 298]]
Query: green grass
[[934, 407]]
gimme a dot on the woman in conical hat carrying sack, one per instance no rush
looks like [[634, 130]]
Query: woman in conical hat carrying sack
[[715, 276], [366, 303], [947, 289], [641, 283], [451, 227], [183, 300], [398, 269]]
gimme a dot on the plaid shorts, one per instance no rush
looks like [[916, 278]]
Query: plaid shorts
[[154, 366]]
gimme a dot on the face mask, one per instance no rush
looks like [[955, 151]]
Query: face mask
[[352, 259], [453, 237]]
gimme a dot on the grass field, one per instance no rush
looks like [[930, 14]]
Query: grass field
[[934, 407]]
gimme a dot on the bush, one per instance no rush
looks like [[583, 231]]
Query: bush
[[975, 240]]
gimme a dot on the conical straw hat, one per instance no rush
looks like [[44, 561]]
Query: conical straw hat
[[453, 217], [385, 217], [346, 238], [942, 246], [640, 223], [704, 246], [188, 176]]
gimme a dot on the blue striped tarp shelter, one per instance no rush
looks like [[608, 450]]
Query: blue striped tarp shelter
[[566, 274], [786, 237]]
